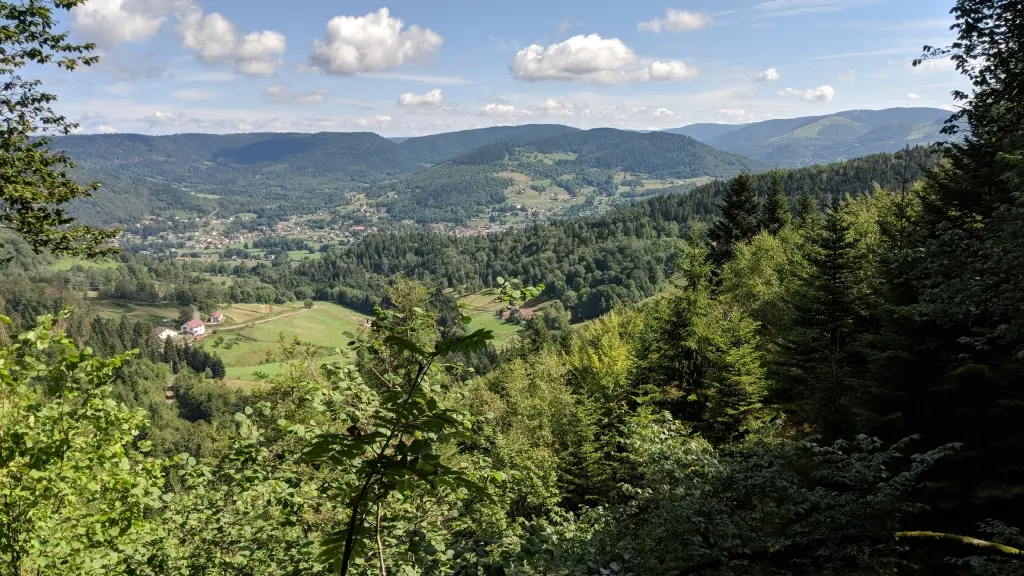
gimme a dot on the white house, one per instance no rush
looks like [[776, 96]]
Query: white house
[[194, 327], [166, 334]]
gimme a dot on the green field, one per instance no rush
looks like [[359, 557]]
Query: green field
[[65, 264], [257, 347]]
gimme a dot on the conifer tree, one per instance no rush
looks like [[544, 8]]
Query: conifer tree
[[739, 219], [807, 213], [820, 361], [775, 211]]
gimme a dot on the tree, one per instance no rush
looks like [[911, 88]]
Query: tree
[[775, 211], [77, 494], [820, 358], [35, 184], [807, 213], [739, 218]]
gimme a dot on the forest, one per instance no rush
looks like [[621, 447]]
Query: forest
[[808, 376]]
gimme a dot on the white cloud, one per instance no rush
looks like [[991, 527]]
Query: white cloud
[[847, 77], [664, 113], [557, 107], [677, 21], [281, 94], [215, 38], [820, 94], [593, 59], [769, 75], [432, 99], [373, 121], [104, 129], [670, 70], [112, 22], [194, 94], [502, 110], [938, 65], [778, 8], [731, 113], [373, 42], [260, 53], [913, 96]]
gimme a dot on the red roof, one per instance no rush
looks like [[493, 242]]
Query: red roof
[[216, 315], [194, 324], [527, 313]]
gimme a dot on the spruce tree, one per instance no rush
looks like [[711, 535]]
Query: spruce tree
[[775, 211], [807, 213], [739, 218], [820, 361]]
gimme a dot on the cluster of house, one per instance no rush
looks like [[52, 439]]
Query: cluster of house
[[194, 328], [506, 314]]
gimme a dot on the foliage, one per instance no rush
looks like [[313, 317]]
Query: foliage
[[35, 187]]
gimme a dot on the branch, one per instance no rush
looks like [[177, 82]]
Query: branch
[[967, 540]]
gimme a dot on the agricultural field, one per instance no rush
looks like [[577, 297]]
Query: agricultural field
[[250, 342], [65, 264]]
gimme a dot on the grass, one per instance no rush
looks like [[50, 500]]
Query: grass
[[65, 264], [159, 315], [484, 310], [257, 348]]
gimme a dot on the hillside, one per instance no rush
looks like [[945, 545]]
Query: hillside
[[260, 169], [572, 165], [442, 147], [820, 139]]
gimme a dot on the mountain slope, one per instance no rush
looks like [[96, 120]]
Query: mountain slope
[[655, 154], [442, 147], [245, 165], [812, 140]]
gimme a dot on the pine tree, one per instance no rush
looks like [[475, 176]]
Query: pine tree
[[739, 218], [775, 211], [820, 360], [807, 213]]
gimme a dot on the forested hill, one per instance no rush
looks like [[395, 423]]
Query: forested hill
[[819, 139], [591, 264], [442, 147], [579, 162]]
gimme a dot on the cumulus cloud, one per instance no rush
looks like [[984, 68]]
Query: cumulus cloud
[[820, 94], [432, 99], [281, 94], [214, 38], [938, 65], [769, 75], [194, 94], [502, 110], [664, 113], [104, 129], [677, 21], [370, 43], [592, 58], [112, 22], [731, 113], [913, 96], [557, 107], [373, 121], [670, 70]]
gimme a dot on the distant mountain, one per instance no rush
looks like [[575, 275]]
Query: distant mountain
[[655, 154], [446, 177], [443, 147], [704, 132], [240, 164], [821, 139]]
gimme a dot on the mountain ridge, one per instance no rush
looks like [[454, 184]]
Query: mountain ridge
[[809, 140]]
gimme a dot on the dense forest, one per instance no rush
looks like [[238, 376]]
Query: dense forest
[[824, 381]]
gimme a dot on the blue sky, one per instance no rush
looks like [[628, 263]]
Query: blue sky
[[408, 67]]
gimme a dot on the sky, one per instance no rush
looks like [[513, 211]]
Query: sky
[[414, 67]]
